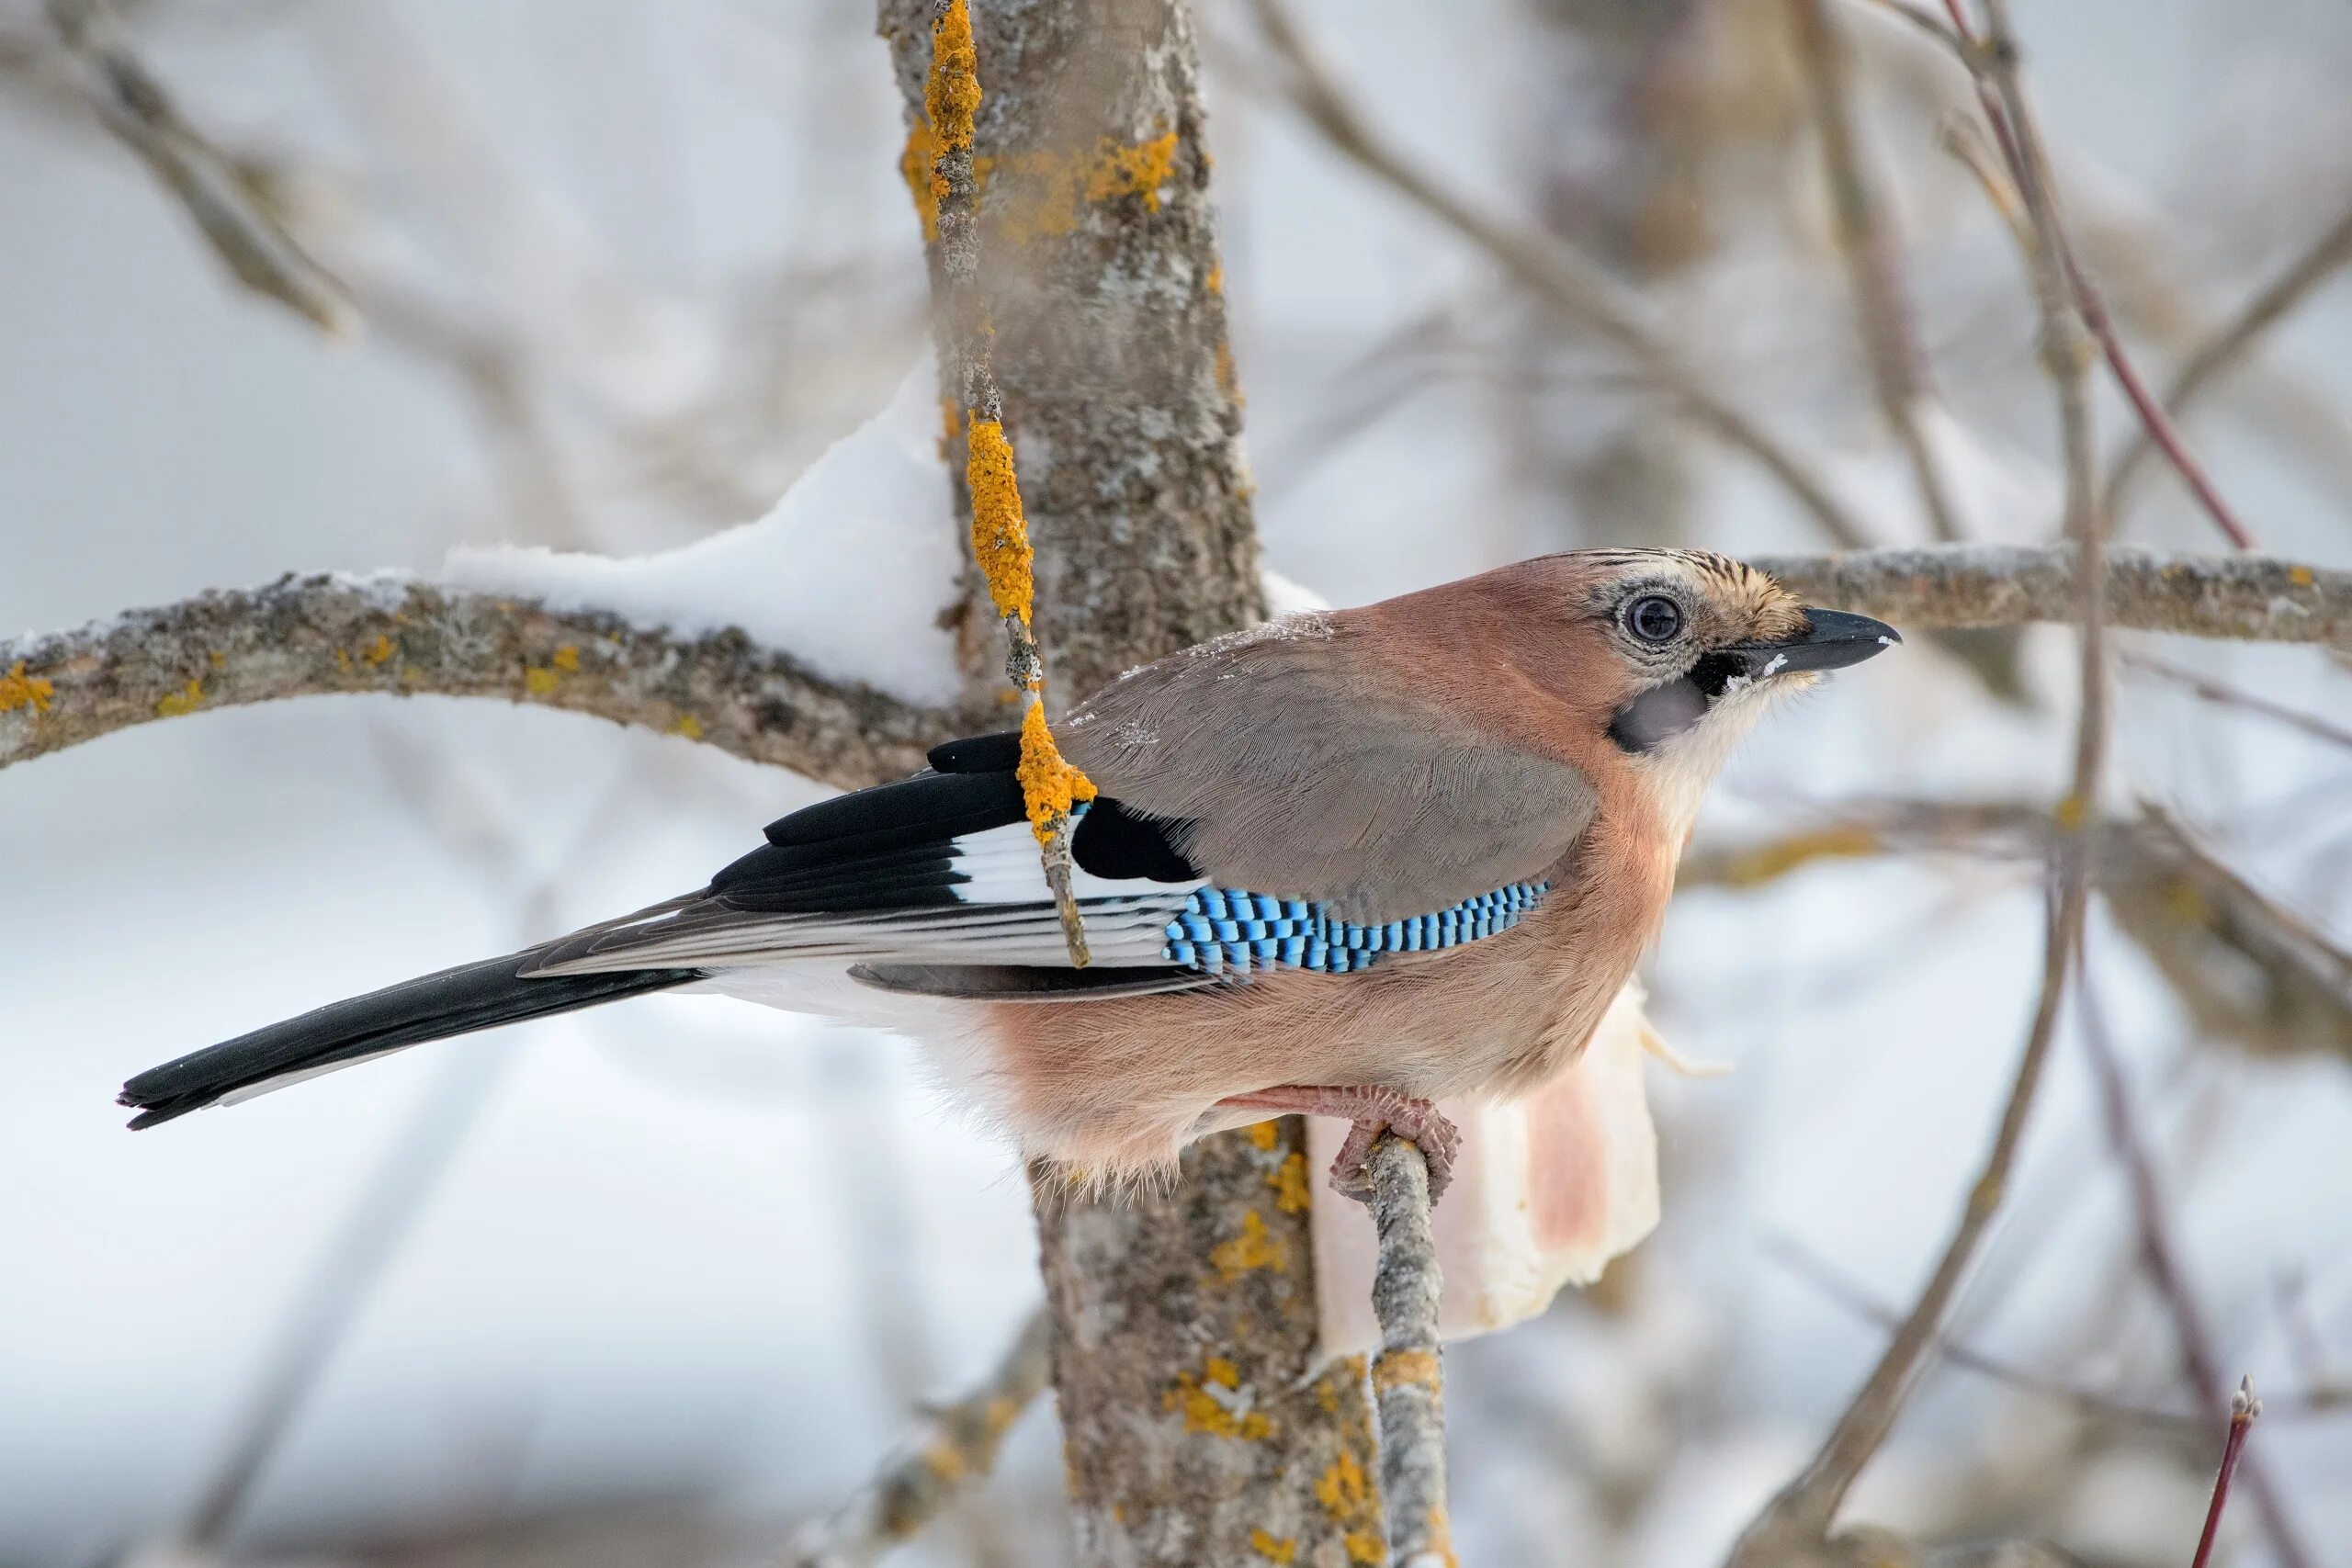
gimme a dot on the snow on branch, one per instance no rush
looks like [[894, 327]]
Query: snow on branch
[[310, 636]]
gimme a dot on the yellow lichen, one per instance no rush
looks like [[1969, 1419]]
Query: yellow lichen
[[2300, 576], [1294, 1193], [1215, 279], [343, 660], [1770, 862], [378, 650], [952, 95], [1050, 787], [1206, 1411], [1273, 1549], [1229, 380], [943, 1460], [19, 690], [1000, 532], [1342, 1489], [187, 699], [1255, 1247], [539, 681], [688, 725], [1397, 1368], [1137, 171], [2072, 812], [567, 657], [1265, 1135]]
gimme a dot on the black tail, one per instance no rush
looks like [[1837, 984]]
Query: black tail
[[432, 1007]]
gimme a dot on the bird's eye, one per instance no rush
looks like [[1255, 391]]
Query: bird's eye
[[1653, 618]]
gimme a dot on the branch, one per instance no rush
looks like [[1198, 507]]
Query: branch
[[2244, 1408], [1405, 1379], [1799, 1516], [1872, 252], [2160, 1256], [956, 1445], [1579, 292], [311, 635], [219, 192], [2220, 354], [2253, 598]]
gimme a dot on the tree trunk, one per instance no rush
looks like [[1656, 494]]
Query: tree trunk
[[1194, 1427]]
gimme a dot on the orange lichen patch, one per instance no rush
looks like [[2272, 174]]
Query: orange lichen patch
[[952, 95], [567, 659], [187, 699], [1345, 1493], [1000, 532], [1273, 1549], [1137, 171], [1294, 1193], [1050, 787], [1265, 1135], [2300, 576], [999, 1415], [1054, 188], [19, 690], [951, 425], [1397, 1369], [1207, 1410], [1771, 861], [1215, 279], [1440, 1535], [688, 725], [539, 681], [378, 650], [1229, 380], [944, 1461], [2072, 812], [1255, 1247]]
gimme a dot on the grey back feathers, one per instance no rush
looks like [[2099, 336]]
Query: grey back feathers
[[1295, 771]]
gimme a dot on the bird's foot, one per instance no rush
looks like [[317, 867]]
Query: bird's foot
[[1371, 1111]]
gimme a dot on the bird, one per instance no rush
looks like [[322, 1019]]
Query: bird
[[1343, 863]]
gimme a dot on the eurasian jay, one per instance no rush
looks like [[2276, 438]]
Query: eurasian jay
[[1344, 864]]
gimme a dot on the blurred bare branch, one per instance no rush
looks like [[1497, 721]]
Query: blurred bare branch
[[2230, 343], [954, 1445], [225, 197], [2243, 1409], [2221, 694], [2160, 1256], [1407, 1383], [1872, 252], [1563, 280]]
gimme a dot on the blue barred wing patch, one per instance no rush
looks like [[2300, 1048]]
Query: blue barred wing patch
[[1221, 931]]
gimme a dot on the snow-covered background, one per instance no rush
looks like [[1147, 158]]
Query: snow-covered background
[[679, 1266]]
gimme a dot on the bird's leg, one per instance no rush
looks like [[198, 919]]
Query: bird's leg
[[1373, 1111]]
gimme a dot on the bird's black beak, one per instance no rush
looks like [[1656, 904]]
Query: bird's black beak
[[1832, 639]]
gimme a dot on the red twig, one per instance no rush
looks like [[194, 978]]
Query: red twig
[[2244, 1408], [1978, 54]]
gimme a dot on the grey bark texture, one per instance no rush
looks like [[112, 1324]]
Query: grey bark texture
[[311, 635], [1406, 1293], [1197, 1426], [1098, 257]]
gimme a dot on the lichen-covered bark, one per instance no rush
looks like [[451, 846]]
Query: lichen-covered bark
[[1098, 260], [1196, 1427], [311, 635]]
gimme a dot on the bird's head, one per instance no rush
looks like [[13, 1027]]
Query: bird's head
[[1656, 661], [1697, 645]]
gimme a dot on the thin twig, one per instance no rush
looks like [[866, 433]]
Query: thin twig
[[1798, 1518], [2245, 1408], [1556, 275], [2219, 354], [999, 533], [218, 193], [1405, 1379], [1993, 62], [2160, 1256], [2206, 689], [1848, 1293], [954, 1445], [1872, 252]]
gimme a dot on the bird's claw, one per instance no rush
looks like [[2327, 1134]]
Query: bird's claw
[[1416, 1120]]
